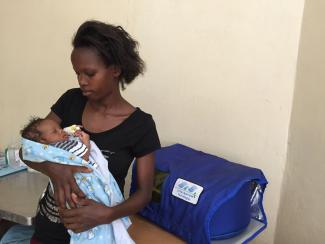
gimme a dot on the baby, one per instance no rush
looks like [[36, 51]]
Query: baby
[[49, 132], [99, 185]]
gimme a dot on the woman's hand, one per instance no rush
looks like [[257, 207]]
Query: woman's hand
[[64, 183], [62, 177], [88, 215]]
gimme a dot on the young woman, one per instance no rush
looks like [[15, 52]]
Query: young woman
[[105, 58]]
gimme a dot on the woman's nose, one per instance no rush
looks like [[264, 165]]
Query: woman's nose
[[82, 80]]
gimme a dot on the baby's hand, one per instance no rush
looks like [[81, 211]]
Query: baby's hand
[[83, 136], [72, 129]]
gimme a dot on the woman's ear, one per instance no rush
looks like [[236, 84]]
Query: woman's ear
[[116, 70]]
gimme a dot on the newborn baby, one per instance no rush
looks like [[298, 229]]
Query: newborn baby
[[47, 131], [99, 185]]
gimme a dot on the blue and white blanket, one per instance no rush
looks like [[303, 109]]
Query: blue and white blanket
[[99, 185]]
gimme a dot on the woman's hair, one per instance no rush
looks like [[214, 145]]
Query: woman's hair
[[114, 45], [30, 131]]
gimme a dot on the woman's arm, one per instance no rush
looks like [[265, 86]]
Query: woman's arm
[[92, 213], [62, 177], [145, 178]]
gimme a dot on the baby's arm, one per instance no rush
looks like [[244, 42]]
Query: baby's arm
[[84, 138]]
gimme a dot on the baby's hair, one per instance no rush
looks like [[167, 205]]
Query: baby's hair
[[114, 45], [30, 131]]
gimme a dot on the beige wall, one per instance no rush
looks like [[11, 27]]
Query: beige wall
[[35, 54], [220, 74], [302, 212], [220, 78]]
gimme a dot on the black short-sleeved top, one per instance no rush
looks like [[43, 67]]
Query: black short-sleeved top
[[136, 136]]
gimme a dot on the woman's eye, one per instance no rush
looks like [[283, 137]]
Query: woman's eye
[[90, 74]]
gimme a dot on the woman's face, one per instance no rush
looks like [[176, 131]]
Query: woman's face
[[96, 79]]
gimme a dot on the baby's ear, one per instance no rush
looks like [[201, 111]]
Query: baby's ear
[[42, 141]]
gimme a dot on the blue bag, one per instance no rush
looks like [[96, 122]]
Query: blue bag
[[204, 197]]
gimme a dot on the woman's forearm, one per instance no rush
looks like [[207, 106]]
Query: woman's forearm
[[139, 199], [41, 167], [62, 177], [131, 206]]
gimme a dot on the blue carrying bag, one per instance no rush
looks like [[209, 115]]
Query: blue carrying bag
[[203, 197]]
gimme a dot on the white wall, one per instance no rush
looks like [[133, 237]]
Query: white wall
[[302, 212], [220, 78], [220, 74]]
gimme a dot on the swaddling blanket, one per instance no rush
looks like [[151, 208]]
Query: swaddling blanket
[[99, 185]]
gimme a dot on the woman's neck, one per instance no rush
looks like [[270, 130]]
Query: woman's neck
[[113, 104]]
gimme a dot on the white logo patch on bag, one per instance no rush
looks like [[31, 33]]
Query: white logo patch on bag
[[187, 191]]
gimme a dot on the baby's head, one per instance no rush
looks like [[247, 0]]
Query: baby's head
[[43, 130]]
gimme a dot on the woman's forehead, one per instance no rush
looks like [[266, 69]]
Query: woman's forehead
[[85, 57]]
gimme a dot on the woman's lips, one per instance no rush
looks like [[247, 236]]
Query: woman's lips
[[86, 93]]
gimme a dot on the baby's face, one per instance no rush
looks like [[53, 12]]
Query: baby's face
[[51, 132]]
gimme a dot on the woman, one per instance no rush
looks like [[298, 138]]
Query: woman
[[104, 58]]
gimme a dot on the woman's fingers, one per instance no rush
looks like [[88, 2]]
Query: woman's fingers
[[84, 202], [59, 196], [81, 169], [74, 185], [67, 191], [69, 217], [56, 198], [72, 220], [75, 189], [74, 198], [74, 224], [64, 182], [76, 228]]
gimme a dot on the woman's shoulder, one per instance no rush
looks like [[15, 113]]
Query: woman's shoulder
[[140, 115], [72, 101], [73, 92], [72, 95], [144, 134], [140, 121]]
